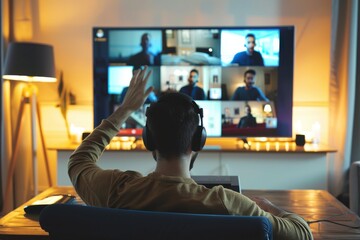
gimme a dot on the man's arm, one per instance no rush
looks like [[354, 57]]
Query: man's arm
[[262, 96], [285, 225], [298, 226], [134, 98], [91, 182]]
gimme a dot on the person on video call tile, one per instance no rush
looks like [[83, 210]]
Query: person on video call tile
[[197, 93], [249, 120], [249, 92], [250, 57], [145, 56]]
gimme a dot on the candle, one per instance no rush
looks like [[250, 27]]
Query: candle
[[316, 132], [76, 133]]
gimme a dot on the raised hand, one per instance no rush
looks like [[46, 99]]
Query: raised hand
[[134, 98], [136, 94]]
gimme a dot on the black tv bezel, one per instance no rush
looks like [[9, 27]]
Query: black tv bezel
[[285, 69]]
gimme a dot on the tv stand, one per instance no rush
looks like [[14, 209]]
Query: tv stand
[[264, 165]]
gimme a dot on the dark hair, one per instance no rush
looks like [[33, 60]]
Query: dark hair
[[251, 71], [172, 122], [145, 35], [248, 106], [250, 35], [195, 71]]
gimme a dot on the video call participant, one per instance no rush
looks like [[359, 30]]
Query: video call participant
[[247, 121], [174, 136], [250, 57], [145, 56], [197, 93], [249, 92]]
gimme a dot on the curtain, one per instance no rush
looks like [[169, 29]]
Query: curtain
[[342, 91], [19, 190], [1, 111], [355, 148]]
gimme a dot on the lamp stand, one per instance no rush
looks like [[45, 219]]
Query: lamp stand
[[29, 96]]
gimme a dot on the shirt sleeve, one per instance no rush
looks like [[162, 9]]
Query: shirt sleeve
[[288, 226], [92, 183]]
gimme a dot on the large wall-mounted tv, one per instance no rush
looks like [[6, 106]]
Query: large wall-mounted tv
[[225, 58]]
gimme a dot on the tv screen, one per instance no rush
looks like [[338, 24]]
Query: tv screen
[[241, 76]]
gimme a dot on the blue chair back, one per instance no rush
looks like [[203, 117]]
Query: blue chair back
[[67, 221]]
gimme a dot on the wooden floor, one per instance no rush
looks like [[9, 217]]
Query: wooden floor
[[312, 205]]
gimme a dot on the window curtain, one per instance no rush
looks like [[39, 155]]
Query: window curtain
[[355, 153], [20, 191], [342, 92], [1, 112]]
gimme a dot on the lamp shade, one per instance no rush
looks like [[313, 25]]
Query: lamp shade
[[30, 62], [267, 108]]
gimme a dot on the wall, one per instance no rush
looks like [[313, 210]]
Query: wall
[[67, 25]]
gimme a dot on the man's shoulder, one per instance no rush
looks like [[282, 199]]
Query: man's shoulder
[[199, 88], [256, 89], [136, 55], [258, 54], [184, 87], [128, 174], [241, 89], [241, 54]]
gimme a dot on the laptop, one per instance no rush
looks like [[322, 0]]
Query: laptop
[[230, 182]]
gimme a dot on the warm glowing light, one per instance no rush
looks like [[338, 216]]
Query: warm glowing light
[[29, 78], [287, 146], [316, 132], [257, 146], [267, 146], [76, 133], [267, 108], [298, 127]]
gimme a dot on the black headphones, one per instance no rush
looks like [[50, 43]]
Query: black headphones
[[199, 137]]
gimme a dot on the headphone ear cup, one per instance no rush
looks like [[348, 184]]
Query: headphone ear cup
[[147, 139], [199, 139]]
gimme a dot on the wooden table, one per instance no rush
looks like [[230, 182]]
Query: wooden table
[[310, 204], [315, 205]]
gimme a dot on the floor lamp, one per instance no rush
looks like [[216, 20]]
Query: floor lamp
[[29, 62]]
